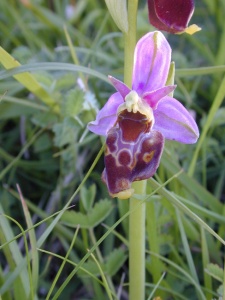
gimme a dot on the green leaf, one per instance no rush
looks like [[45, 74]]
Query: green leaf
[[99, 212], [220, 290], [215, 271], [42, 143], [165, 239], [22, 54], [12, 110], [65, 132], [115, 261], [73, 104], [91, 267], [90, 101], [88, 196], [44, 119]]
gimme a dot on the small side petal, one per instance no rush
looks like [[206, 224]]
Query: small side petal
[[107, 116], [119, 86], [152, 98], [175, 122], [151, 63]]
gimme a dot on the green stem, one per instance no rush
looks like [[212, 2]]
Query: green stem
[[152, 234], [137, 217], [137, 244], [130, 41], [129, 46]]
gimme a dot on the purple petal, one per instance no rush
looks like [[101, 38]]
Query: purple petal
[[152, 98], [107, 116], [151, 63], [175, 122], [170, 15], [119, 86]]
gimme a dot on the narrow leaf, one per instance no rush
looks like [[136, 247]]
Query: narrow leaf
[[27, 80], [33, 243], [14, 259]]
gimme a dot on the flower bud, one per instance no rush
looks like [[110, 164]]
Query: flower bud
[[172, 15]]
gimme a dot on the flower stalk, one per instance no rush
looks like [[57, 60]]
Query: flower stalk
[[137, 244], [137, 217], [130, 41], [152, 234]]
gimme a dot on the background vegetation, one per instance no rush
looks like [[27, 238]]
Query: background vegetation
[[61, 235]]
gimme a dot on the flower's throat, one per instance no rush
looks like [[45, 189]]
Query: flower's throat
[[134, 117], [133, 103], [132, 125]]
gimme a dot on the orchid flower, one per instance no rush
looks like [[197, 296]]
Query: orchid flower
[[172, 15], [136, 121]]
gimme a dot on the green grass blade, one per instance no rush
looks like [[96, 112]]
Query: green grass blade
[[33, 244], [23, 102], [199, 71], [27, 80], [104, 280], [70, 276], [205, 262], [156, 286], [189, 183], [62, 265], [215, 106], [21, 284], [72, 264], [170, 197], [186, 247], [182, 271], [16, 159], [49, 66]]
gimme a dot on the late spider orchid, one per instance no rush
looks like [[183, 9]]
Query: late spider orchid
[[136, 121], [172, 15]]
